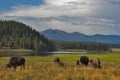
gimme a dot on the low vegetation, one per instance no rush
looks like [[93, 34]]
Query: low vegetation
[[43, 68], [109, 57], [16, 52], [52, 71]]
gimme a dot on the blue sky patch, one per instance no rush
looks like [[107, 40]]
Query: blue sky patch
[[7, 4]]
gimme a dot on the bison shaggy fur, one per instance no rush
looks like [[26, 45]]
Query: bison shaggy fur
[[84, 60], [96, 62], [57, 59], [16, 61]]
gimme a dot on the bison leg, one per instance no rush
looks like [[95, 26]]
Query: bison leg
[[24, 66], [15, 67]]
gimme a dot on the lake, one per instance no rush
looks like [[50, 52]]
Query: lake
[[62, 52]]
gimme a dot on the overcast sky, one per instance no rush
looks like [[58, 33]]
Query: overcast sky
[[84, 16]]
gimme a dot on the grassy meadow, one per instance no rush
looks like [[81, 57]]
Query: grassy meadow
[[117, 50], [16, 52], [72, 50], [43, 68]]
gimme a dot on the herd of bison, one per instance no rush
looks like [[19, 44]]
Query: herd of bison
[[84, 60]]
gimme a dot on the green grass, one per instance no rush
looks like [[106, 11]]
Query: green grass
[[73, 50], [16, 52], [35, 70], [111, 57]]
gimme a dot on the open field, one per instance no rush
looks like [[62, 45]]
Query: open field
[[51, 71], [111, 57], [43, 68], [116, 50], [16, 52]]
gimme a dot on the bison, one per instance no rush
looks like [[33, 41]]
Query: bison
[[84, 60], [16, 61], [96, 62], [57, 59]]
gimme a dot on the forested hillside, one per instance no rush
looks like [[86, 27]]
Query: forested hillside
[[18, 35], [92, 47]]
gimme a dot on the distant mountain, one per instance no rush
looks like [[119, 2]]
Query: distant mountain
[[60, 35]]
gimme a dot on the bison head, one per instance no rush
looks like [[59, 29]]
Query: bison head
[[8, 65]]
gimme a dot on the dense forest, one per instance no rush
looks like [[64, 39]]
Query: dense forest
[[91, 47], [18, 35], [14, 34]]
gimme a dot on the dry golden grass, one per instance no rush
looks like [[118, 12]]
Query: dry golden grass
[[52, 71], [115, 49]]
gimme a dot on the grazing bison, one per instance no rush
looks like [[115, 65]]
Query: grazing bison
[[16, 61], [77, 62], [57, 59], [84, 60], [95, 62]]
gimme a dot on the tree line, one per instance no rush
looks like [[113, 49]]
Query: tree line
[[91, 47]]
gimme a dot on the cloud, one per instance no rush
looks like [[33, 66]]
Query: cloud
[[100, 21], [59, 2], [116, 2], [51, 8], [85, 16], [86, 25]]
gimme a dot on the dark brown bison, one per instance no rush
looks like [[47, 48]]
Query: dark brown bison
[[84, 60], [57, 59], [77, 62], [96, 62], [16, 61]]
